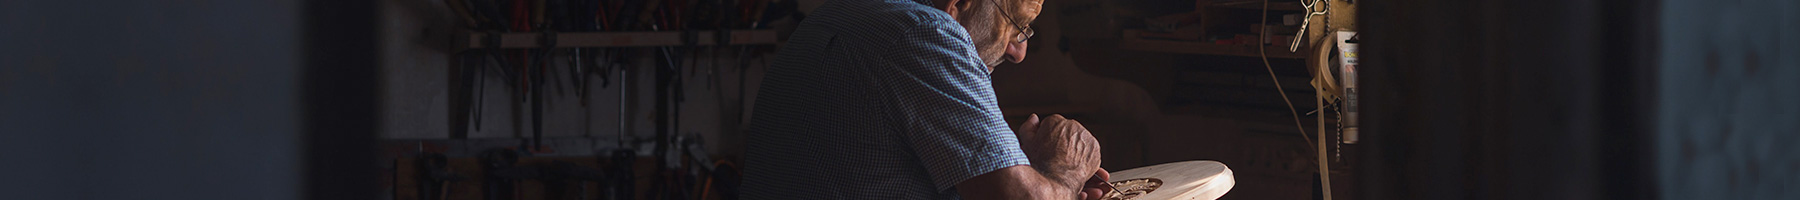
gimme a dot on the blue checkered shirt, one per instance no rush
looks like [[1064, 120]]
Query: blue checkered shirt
[[875, 99]]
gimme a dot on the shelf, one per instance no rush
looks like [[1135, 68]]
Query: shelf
[[475, 40], [1257, 5], [1134, 43], [1045, 111]]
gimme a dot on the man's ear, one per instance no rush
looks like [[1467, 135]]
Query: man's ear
[[953, 7]]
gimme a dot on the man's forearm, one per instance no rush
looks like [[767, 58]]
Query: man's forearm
[[1063, 156], [1064, 176], [1059, 188], [1055, 187], [1017, 182]]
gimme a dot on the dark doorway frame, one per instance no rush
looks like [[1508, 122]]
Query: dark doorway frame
[[339, 83], [1533, 99]]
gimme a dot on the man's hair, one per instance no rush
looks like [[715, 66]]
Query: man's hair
[[983, 21]]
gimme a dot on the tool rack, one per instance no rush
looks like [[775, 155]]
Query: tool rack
[[517, 40]]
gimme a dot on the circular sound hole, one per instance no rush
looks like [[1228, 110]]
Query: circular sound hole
[[1129, 189]]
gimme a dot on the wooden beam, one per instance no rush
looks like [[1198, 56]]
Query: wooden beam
[[1134, 43]]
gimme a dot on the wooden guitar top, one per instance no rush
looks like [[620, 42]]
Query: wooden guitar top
[[1198, 179]]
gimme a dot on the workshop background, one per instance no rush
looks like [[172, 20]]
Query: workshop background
[[435, 99], [1200, 95]]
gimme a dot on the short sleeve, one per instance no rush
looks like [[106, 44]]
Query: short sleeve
[[945, 98]]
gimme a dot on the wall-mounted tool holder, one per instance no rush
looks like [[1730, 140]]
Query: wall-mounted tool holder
[[478, 40], [472, 187]]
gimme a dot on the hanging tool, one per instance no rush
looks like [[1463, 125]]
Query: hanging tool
[[707, 15], [621, 183], [502, 179], [756, 14], [542, 20], [537, 93], [434, 170], [589, 15], [461, 9], [668, 98], [559, 178], [1312, 9], [675, 178], [562, 177], [471, 76], [554, 14], [668, 75], [486, 15], [726, 177], [622, 15], [493, 55], [624, 75]]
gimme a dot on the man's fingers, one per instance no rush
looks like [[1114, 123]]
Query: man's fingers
[[1104, 176], [1084, 144], [1031, 125], [1057, 117], [1051, 122], [1096, 186], [1073, 126], [1092, 193], [1079, 135]]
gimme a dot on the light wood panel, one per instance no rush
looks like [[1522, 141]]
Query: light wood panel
[[1199, 179]]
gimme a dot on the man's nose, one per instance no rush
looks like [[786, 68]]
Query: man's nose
[[1016, 51]]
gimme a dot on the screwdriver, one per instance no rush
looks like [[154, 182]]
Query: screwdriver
[[1111, 190]]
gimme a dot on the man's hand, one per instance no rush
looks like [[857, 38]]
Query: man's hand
[[1096, 186], [1065, 162], [1062, 150]]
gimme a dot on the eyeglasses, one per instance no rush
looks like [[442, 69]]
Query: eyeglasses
[[1025, 33]]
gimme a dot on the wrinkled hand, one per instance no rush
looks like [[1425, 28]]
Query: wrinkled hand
[[1096, 187], [1061, 149]]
